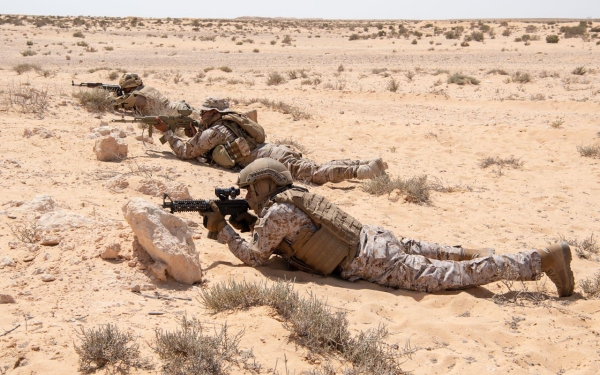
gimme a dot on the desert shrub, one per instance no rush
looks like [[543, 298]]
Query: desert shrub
[[27, 99], [521, 77], [574, 31], [23, 68], [28, 52], [501, 72], [78, 34], [225, 69], [275, 78], [462, 79], [415, 189], [579, 71], [393, 85], [414, 41], [477, 36], [82, 44], [189, 350], [452, 34], [341, 68], [94, 100], [280, 106], [27, 233], [589, 151], [286, 40], [506, 162], [354, 37], [591, 286], [107, 347], [552, 38], [113, 75], [525, 37], [557, 123], [378, 70], [464, 44], [506, 32]]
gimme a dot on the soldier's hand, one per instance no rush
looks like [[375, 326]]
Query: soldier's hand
[[160, 125], [244, 222], [190, 131], [214, 221]]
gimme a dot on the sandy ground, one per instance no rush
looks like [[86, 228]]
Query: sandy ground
[[426, 127]]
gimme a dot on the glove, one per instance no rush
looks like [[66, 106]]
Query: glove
[[160, 125], [244, 222], [214, 221]]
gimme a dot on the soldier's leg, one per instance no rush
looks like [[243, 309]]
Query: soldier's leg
[[441, 252]]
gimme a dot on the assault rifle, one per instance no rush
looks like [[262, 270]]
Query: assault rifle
[[183, 120], [112, 88], [227, 206]]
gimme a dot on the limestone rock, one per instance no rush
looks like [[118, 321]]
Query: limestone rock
[[40, 203], [48, 277], [159, 269], [166, 238], [156, 188], [61, 219], [110, 148], [116, 184], [5, 298], [105, 130], [111, 251], [7, 262]]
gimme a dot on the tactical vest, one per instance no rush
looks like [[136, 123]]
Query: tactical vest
[[249, 135], [336, 239], [152, 94]]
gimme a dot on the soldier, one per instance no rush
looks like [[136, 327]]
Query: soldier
[[233, 139], [144, 99], [316, 236]]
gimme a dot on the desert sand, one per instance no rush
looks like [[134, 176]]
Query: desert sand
[[343, 109]]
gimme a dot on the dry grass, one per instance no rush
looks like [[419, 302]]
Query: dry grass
[[591, 286], [275, 78], [279, 106], [414, 190], [586, 248], [462, 79], [27, 233], [556, 124], [313, 324], [589, 151], [108, 347], [27, 99], [189, 350], [520, 77], [25, 67], [94, 100], [500, 162]]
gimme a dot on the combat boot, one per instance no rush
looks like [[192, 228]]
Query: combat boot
[[469, 254], [556, 263], [374, 168]]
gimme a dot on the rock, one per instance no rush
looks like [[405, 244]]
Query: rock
[[48, 277], [155, 188], [111, 251], [44, 133], [29, 258], [103, 130], [39, 271], [27, 133], [159, 269], [61, 219], [110, 148], [116, 184], [132, 263], [40, 203], [139, 287], [49, 241], [5, 298], [7, 262], [166, 238]]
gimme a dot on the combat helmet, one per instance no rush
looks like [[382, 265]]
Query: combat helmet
[[130, 80], [211, 102], [263, 178]]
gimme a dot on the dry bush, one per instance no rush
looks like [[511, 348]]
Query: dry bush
[[189, 351], [414, 189], [393, 85], [579, 71], [506, 162], [225, 69], [107, 347], [591, 286], [501, 72], [585, 248], [589, 151], [27, 233], [28, 52], [297, 113], [275, 78], [313, 324], [23, 68], [95, 100], [520, 77], [27, 99], [556, 124], [462, 79]]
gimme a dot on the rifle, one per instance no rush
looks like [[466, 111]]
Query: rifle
[[112, 88], [227, 206], [183, 120]]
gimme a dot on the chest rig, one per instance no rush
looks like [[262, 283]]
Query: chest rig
[[249, 135]]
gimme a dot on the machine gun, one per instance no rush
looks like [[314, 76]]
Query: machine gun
[[112, 88], [227, 204], [183, 120]]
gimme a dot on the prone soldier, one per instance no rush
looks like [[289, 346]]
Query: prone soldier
[[317, 236]]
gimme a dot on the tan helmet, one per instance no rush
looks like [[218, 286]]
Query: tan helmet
[[263, 178], [211, 102], [130, 80]]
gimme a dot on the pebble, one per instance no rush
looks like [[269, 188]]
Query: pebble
[[5, 298], [48, 277], [50, 242]]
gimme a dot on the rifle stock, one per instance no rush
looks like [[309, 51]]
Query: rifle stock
[[183, 120]]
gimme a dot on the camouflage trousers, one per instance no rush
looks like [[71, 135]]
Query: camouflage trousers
[[428, 267], [304, 169]]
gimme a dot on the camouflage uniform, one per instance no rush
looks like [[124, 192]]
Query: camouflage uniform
[[382, 258], [301, 169]]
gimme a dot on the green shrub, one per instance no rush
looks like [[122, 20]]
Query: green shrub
[[574, 31], [552, 38]]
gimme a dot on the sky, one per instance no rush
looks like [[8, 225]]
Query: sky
[[327, 9]]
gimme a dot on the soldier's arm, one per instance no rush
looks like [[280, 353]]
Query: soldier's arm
[[129, 101], [198, 145], [281, 221]]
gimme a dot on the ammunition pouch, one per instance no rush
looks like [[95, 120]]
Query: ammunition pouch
[[221, 156]]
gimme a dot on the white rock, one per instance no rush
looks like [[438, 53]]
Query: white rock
[[111, 251], [116, 184], [39, 203], [159, 269], [166, 238], [7, 262], [59, 220], [48, 277], [155, 188], [110, 148]]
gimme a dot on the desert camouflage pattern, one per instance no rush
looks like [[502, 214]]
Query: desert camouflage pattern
[[382, 258], [142, 98], [301, 169]]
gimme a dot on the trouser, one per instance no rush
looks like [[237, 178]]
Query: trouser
[[425, 267], [306, 170]]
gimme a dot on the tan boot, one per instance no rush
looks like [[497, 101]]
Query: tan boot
[[469, 254], [372, 169], [556, 263]]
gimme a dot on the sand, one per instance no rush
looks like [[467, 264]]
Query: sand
[[344, 110]]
